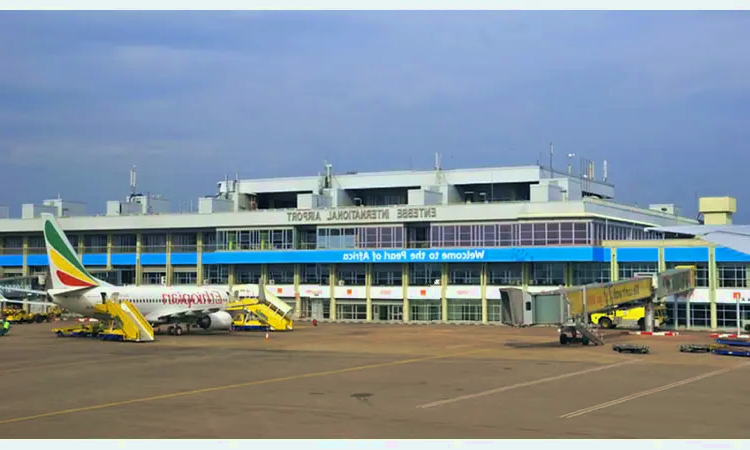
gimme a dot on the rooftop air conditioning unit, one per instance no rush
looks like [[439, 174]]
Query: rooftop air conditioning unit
[[437, 281], [272, 281], [341, 282]]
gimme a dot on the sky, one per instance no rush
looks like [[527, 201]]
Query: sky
[[190, 97]]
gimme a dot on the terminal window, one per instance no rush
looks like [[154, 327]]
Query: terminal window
[[184, 242], [352, 274], [281, 274], [424, 274], [387, 275], [12, 245], [589, 273], [124, 243], [548, 274], [247, 273], [95, 243], [465, 274], [185, 278], [505, 274], [732, 275], [154, 243], [629, 269], [316, 274], [36, 245]]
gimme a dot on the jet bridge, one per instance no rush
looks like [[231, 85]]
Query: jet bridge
[[581, 301], [569, 308]]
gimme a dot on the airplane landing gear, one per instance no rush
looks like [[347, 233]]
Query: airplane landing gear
[[175, 330]]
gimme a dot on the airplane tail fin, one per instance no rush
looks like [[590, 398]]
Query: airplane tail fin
[[65, 267]]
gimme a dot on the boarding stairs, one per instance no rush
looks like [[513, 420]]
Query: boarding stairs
[[126, 323], [265, 312], [120, 321]]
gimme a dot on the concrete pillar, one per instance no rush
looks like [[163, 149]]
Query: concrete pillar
[[525, 275], [138, 267], [170, 271], [368, 285], [333, 281], [110, 244], [713, 283], [483, 288], [661, 265], [568, 269], [405, 290], [199, 258], [649, 319], [297, 299], [614, 267], [25, 252], [443, 292], [230, 276]]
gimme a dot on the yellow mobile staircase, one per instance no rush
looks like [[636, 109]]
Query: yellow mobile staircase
[[123, 323], [265, 312]]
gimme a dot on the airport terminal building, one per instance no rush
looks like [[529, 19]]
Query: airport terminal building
[[412, 246]]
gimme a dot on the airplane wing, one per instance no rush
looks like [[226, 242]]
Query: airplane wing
[[28, 291], [736, 237], [179, 314], [25, 302]]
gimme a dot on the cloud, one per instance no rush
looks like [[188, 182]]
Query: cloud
[[274, 93]]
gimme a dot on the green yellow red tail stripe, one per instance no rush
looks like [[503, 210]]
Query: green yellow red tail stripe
[[63, 259]]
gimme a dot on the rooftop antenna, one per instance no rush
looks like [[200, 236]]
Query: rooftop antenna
[[329, 172], [570, 166], [551, 152], [133, 172], [605, 172], [438, 169]]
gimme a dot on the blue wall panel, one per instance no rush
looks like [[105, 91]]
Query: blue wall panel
[[154, 259], [97, 259], [724, 254], [686, 254], [123, 259], [184, 259], [519, 254], [36, 260], [637, 255], [11, 260]]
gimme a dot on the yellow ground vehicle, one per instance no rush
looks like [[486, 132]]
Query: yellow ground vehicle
[[18, 315], [628, 317]]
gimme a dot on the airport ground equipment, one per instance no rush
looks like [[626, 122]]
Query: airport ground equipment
[[631, 348], [88, 330], [120, 321], [581, 301], [733, 342], [266, 312], [727, 352], [695, 348]]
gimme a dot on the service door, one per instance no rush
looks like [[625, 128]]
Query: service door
[[316, 309], [547, 309]]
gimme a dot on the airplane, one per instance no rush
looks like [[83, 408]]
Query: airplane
[[76, 290], [736, 237]]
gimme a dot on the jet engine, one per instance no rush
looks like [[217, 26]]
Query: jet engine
[[216, 321]]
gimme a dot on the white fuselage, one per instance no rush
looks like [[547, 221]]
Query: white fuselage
[[148, 299]]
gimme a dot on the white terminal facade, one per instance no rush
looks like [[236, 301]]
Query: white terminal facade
[[413, 246]]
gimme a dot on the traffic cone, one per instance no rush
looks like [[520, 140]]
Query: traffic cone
[[266, 335]]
